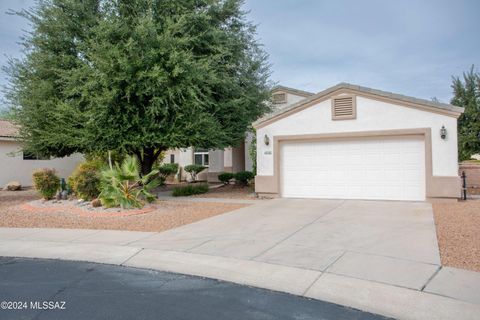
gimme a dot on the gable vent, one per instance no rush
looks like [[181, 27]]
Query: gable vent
[[343, 108], [279, 98]]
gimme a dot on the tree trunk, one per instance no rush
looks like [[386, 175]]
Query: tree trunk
[[148, 158]]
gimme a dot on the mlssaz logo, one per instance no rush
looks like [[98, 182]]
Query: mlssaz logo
[[48, 305]]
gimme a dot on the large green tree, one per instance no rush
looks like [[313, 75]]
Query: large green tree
[[137, 76], [467, 94]]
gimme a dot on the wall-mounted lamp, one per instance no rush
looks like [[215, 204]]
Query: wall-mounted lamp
[[443, 133], [266, 140]]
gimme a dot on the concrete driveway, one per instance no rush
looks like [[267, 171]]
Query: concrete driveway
[[389, 242]]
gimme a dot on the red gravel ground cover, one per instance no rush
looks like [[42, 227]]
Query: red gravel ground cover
[[458, 233]]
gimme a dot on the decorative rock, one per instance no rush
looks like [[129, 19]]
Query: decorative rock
[[96, 203], [64, 195], [13, 186]]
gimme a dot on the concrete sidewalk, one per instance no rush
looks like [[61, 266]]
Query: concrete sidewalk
[[380, 257]]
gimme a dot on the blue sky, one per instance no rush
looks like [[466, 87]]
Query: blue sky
[[408, 47]]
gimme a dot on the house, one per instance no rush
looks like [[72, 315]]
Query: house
[[352, 142], [15, 165], [231, 159]]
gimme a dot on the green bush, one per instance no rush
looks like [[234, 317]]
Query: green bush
[[225, 177], [244, 177], [167, 169], [190, 189], [85, 179], [46, 182], [122, 186], [194, 170]]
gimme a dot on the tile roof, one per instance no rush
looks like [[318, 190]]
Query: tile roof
[[8, 129]]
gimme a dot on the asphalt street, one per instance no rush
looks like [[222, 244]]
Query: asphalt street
[[53, 289]]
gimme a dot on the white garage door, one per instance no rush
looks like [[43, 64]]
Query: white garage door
[[386, 168]]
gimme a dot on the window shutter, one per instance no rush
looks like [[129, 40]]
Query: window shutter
[[344, 107]]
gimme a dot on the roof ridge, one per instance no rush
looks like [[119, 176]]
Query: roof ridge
[[447, 108], [302, 92], [398, 95]]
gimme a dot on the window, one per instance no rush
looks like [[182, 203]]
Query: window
[[344, 107], [34, 156], [172, 158], [201, 157], [279, 98]]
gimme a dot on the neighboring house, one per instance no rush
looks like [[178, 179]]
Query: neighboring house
[[15, 165], [231, 159], [352, 142]]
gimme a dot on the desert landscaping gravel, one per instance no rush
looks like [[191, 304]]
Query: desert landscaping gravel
[[458, 233], [168, 215]]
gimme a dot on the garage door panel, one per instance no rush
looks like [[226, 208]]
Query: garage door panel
[[380, 168]]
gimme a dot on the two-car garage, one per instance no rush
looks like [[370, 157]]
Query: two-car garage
[[374, 168], [351, 142]]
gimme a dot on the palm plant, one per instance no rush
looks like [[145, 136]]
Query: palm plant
[[123, 185]]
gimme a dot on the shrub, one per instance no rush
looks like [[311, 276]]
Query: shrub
[[243, 177], [225, 177], [122, 186], [85, 180], [46, 182], [194, 170], [167, 169], [189, 190]]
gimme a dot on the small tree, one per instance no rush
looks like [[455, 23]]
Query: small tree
[[467, 94], [167, 169], [194, 170]]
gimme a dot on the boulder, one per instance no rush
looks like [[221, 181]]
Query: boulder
[[13, 186], [96, 203]]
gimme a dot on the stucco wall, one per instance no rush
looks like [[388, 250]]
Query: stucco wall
[[371, 115], [14, 168], [227, 158]]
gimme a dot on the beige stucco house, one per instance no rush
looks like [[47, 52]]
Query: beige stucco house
[[346, 142], [352, 142], [15, 165]]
